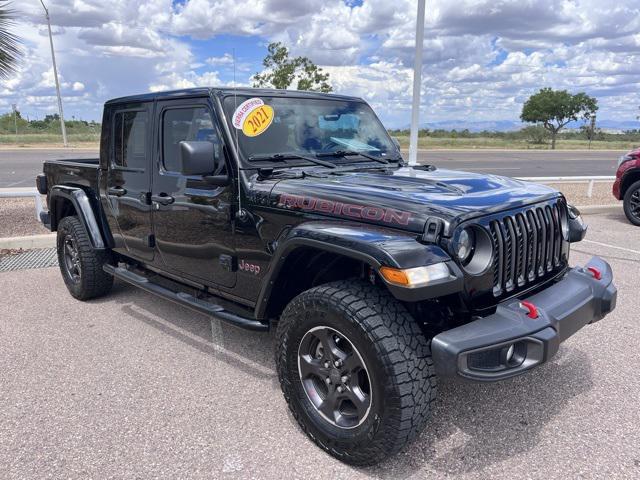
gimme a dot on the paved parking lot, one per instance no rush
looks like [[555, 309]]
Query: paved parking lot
[[131, 386]]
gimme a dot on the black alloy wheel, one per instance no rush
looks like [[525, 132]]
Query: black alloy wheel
[[334, 377], [72, 258]]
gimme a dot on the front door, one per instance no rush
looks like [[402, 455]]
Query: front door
[[191, 219], [129, 179]]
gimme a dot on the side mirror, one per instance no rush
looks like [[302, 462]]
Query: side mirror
[[197, 158], [396, 142]]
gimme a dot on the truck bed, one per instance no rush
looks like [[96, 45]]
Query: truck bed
[[80, 172]]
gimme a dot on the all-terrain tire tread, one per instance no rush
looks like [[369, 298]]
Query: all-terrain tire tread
[[399, 343], [95, 281]]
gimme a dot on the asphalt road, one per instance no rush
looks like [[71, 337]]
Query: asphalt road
[[19, 167], [131, 386]]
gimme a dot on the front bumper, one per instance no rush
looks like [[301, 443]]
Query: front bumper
[[481, 350]]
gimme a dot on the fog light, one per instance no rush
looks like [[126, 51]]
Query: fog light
[[510, 351]]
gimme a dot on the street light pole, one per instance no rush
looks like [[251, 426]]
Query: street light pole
[[55, 74], [14, 107], [417, 80]]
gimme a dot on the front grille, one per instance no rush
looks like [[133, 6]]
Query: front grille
[[528, 246]]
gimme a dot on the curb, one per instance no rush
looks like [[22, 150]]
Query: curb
[[48, 240], [595, 209]]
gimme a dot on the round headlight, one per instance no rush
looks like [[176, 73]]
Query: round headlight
[[464, 245], [473, 249]]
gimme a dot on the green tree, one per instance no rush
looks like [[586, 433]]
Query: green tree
[[9, 43], [535, 134], [591, 132], [281, 71], [8, 123], [554, 109]]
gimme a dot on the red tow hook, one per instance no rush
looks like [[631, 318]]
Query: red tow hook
[[595, 272], [531, 308]]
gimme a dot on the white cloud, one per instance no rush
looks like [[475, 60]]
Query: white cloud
[[175, 81], [226, 59], [482, 57]]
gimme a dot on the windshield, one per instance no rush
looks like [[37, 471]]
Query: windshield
[[268, 126]]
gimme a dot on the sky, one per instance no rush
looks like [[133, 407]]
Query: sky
[[482, 59]]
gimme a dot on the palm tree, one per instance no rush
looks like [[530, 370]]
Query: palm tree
[[9, 43]]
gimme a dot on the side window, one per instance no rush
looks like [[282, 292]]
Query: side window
[[130, 138], [186, 124]]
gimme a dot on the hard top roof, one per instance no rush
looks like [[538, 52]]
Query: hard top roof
[[243, 91]]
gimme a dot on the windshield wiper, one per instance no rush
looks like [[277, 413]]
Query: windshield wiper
[[344, 153], [279, 157]]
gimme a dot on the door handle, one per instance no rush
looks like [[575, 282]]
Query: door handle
[[116, 191], [162, 199]]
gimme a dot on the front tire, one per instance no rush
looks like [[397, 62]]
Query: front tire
[[81, 264], [632, 203], [355, 369]]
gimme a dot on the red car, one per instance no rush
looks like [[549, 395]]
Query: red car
[[627, 185]]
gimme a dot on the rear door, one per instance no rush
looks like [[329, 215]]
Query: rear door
[[129, 179], [193, 227]]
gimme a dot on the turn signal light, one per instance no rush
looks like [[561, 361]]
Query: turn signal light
[[415, 277], [394, 275]]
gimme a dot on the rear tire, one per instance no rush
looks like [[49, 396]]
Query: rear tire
[[632, 203], [81, 264], [373, 335]]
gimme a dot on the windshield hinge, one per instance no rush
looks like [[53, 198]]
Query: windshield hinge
[[432, 230]]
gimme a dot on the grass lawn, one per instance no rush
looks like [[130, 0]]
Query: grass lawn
[[47, 139], [486, 142]]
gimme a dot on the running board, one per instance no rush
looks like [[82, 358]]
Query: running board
[[185, 299]]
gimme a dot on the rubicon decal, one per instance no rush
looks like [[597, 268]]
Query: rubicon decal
[[363, 212]]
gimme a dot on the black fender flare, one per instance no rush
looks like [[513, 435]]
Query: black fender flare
[[80, 200], [375, 246]]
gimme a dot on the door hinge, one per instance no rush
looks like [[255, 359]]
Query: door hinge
[[228, 263], [150, 240], [145, 198]]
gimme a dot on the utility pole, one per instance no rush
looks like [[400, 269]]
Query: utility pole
[[417, 81], [14, 107], [55, 74], [593, 130]]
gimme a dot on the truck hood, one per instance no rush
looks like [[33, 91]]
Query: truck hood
[[406, 197]]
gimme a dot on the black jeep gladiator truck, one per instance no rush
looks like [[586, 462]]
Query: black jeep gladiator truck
[[295, 210]]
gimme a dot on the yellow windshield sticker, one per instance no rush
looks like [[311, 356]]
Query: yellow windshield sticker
[[258, 121], [253, 117]]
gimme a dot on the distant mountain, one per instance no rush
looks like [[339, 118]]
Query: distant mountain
[[619, 124], [511, 125], [489, 125]]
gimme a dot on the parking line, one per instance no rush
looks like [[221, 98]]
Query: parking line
[[637, 252]]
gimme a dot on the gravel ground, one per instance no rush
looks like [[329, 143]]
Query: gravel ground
[[131, 386], [576, 193], [18, 218]]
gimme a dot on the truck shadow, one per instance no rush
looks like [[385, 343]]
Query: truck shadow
[[476, 425], [472, 427], [247, 351]]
